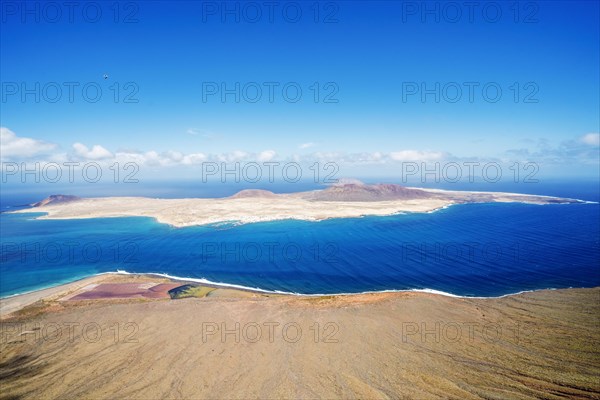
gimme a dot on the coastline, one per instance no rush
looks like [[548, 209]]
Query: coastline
[[13, 303], [236, 212], [542, 344], [246, 207], [153, 335], [49, 214]]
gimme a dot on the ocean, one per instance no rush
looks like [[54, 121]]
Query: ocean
[[483, 250]]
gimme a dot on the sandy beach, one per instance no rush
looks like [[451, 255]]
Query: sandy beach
[[236, 344]]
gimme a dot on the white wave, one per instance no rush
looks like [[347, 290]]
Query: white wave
[[260, 290], [256, 289]]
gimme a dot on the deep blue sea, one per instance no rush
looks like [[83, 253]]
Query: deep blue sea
[[468, 250]]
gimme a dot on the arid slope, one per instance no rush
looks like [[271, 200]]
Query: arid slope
[[543, 344]]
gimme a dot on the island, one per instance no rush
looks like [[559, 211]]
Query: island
[[349, 200], [123, 335]]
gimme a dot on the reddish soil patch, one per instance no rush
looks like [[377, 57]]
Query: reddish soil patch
[[126, 291]]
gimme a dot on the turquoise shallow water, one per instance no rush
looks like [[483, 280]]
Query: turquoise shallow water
[[470, 250]]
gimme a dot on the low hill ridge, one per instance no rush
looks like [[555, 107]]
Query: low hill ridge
[[56, 199], [263, 194], [363, 192]]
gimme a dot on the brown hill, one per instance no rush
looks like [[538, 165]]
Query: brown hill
[[265, 194], [362, 192], [56, 199]]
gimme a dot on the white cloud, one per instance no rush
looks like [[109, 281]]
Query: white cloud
[[591, 139], [174, 155], [266, 155], [13, 146], [153, 159], [97, 152], [306, 145], [416, 155], [174, 158], [233, 156], [194, 158], [577, 151], [371, 158]]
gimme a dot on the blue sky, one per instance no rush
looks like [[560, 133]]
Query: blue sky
[[369, 54]]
